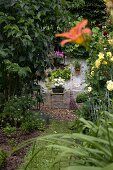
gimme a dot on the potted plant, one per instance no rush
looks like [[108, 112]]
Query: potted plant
[[81, 98], [77, 66], [58, 85]]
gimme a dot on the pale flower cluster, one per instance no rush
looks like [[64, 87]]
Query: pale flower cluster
[[59, 82], [109, 85], [100, 60], [109, 55], [110, 41], [89, 89]]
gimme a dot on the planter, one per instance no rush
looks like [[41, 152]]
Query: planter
[[77, 71], [57, 89]]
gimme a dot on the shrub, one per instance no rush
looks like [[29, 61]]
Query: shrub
[[2, 157], [91, 151], [85, 112], [82, 97], [8, 130], [15, 110], [33, 121]]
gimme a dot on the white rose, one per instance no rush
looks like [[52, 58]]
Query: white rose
[[89, 89], [109, 85]]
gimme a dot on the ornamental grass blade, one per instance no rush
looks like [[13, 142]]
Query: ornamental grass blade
[[108, 114], [96, 162], [108, 167], [82, 168], [94, 141], [97, 155], [88, 124], [67, 150]]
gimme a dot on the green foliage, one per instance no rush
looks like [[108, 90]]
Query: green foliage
[[2, 157], [32, 125], [8, 130], [16, 114], [76, 51], [74, 4], [98, 7], [7, 2], [93, 150], [85, 111], [44, 157], [15, 68], [33, 122], [12, 142], [15, 110], [77, 65], [63, 73], [81, 97], [2, 101], [27, 31]]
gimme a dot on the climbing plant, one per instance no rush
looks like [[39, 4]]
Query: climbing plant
[[26, 37]]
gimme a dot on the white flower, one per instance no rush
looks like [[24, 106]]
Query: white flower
[[105, 49], [56, 84], [109, 85], [89, 89], [59, 82], [55, 79], [92, 73]]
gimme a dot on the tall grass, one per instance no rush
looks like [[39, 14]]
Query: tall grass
[[41, 157], [76, 151]]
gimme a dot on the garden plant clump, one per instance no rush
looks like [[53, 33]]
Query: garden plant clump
[[27, 38], [90, 148], [82, 97]]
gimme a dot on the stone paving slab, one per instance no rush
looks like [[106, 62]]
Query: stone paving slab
[[66, 101]]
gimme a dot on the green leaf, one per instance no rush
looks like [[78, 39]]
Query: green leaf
[[11, 18], [1, 13], [21, 20], [28, 37], [7, 27], [109, 167], [82, 168]]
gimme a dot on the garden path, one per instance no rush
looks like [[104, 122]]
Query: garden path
[[72, 88]]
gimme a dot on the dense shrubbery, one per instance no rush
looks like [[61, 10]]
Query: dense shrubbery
[[93, 148], [25, 46], [17, 113], [2, 157], [15, 110], [82, 97]]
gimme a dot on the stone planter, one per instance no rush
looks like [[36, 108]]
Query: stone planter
[[57, 89]]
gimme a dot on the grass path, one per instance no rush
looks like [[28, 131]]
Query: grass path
[[44, 159]]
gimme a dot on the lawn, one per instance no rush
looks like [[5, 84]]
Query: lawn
[[40, 157]]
